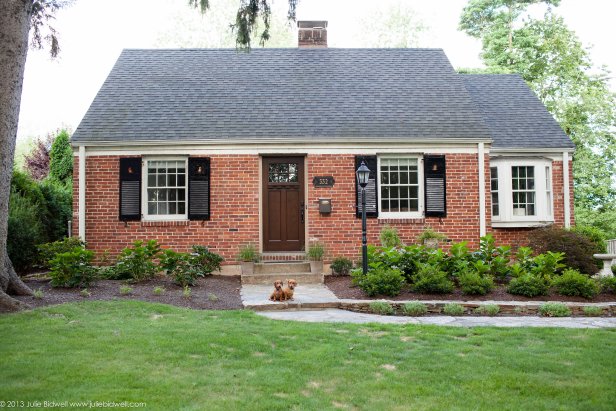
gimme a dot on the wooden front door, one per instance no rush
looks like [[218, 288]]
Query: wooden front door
[[283, 203]]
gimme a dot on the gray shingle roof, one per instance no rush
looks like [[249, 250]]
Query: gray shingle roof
[[197, 94], [514, 114]]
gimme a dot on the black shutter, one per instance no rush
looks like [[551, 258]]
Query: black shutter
[[130, 189], [436, 186], [198, 188], [372, 196]]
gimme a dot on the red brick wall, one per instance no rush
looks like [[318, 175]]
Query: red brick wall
[[234, 203], [235, 206]]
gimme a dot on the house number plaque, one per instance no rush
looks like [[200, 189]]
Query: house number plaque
[[323, 181]]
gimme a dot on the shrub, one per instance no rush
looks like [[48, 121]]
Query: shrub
[[428, 233], [341, 266], [472, 283], [389, 237], [61, 158], [48, 251], [577, 248], [187, 292], [72, 269], [431, 280], [487, 309], [316, 251], [85, 293], [554, 310], [379, 281], [126, 290], [414, 309], [495, 258], [453, 309], [594, 234], [381, 307], [528, 285], [248, 253], [38, 294], [137, 263], [158, 290], [212, 297], [58, 208], [205, 260], [592, 311], [181, 267], [547, 265], [24, 231], [608, 284], [573, 283]]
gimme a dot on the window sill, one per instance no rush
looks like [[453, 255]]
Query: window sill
[[165, 223], [521, 224]]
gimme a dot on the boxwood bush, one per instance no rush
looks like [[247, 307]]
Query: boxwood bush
[[379, 281], [73, 268], [472, 283], [573, 283], [431, 280], [528, 285]]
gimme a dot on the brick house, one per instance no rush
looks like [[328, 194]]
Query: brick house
[[221, 148]]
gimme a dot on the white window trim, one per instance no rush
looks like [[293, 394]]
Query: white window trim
[[505, 190], [420, 193], [144, 191]]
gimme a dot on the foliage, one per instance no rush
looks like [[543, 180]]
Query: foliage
[[341, 266], [85, 293], [592, 311], [212, 297], [36, 162], [528, 285], [552, 60], [392, 26], [158, 290], [205, 260], [389, 237], [137, 263], [554, 310], [186, 292], [414, 309], [316, 251], [126, 290], [608, 284], [248, 253], [473, 283], [24, 231], [429, 233], [58, 208], [572, 283], [48, 251], [61, 158], [453, 309], [594, 234], [73, 268], [182, 267], [496, 258], [487, 309], [578, 248], [38, 294], [431, 280], [379, 280], [381, 307]]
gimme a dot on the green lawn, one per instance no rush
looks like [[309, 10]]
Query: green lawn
[[178, 359]]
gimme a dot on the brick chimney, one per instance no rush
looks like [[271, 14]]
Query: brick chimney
[[312, 34]]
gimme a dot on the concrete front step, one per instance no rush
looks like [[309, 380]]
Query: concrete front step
[[282, 268], [301, 278], [283, 256]]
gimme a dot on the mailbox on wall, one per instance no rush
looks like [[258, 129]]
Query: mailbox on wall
[[325, 205]]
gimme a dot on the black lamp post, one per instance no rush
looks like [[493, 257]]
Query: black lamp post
[[363, 174]]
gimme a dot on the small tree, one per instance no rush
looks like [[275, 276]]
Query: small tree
[[61, 158], [36, 162]]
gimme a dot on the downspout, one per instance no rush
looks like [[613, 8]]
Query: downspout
[[82, 193], [566, 189], [482, 190]]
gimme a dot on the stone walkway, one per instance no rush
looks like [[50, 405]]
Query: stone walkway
[[332, 315], [316, 303]]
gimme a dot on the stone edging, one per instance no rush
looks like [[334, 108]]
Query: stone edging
[[507, 308]]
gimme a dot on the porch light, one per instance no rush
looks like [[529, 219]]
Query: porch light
[[363, 173]]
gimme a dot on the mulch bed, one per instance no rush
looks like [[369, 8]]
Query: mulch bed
[[343, 288], [214, 292]]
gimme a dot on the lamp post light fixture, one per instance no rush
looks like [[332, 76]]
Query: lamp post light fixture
[[363, 174]]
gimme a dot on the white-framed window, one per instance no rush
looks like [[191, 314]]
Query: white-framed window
[[165, 189], [521, 192], [400, 186]]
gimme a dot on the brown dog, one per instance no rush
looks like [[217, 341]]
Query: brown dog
[[289, 289], [278, 294]]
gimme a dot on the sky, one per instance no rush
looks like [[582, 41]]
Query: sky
[[57, 92]]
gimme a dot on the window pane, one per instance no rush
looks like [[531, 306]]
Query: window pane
[[404, 206], [414, 205], [394, 205], [384, 205], [181, 207]]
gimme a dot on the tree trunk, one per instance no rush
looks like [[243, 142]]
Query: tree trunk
[[14, 29]]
